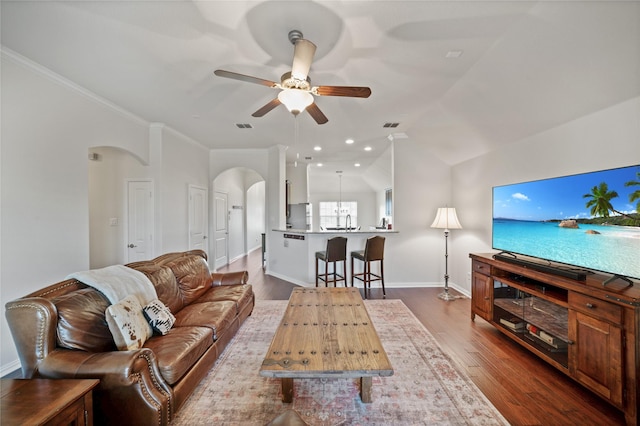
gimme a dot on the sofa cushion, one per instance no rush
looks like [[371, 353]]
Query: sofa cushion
[[81, 321], [218, 316], [239, 294], [159, 316], [193, 275], [127, 324], [165, 283], [179, 349]]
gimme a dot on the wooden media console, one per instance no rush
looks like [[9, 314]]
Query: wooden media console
[[585, 329]]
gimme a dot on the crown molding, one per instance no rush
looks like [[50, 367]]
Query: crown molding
[[57, 78]]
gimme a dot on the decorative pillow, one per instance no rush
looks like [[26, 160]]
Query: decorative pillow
[[127, 324], [159, 316]]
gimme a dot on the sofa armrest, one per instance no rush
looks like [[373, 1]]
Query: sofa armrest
[[130, 382], [32, 321], [230, 278]]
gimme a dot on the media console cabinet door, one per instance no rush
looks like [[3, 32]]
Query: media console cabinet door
[[595, 358], [481, 291]]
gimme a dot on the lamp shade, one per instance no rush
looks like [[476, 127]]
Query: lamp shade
[[446, 218], [295, 100]]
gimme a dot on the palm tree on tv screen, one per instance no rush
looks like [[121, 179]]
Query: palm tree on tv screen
[[600, 201], [635, 195]]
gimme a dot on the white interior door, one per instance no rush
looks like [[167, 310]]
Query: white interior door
[[221, 221], [198, 218], [140, 220]]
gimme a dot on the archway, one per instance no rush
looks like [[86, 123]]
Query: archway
[[245, 192], [108, 169]]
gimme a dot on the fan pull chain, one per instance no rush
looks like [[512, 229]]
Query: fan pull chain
[[296, 133]]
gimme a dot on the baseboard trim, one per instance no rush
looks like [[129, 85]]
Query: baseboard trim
[[387, 284], [11, 370]]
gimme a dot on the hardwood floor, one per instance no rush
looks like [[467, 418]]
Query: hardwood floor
[[526, 390]]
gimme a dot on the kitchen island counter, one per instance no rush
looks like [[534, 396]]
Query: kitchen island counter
[[291, 253]]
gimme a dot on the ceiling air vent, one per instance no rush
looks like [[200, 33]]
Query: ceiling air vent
[[244, 126], [391, 124]]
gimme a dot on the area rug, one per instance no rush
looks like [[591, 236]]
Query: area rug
[[427, 388]]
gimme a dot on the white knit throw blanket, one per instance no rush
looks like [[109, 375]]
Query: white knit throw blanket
[[117, 282]]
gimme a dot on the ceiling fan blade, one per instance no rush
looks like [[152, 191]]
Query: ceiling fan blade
[[350, 91], [247, 78], [268, 107], [316, 114], [302, 58]]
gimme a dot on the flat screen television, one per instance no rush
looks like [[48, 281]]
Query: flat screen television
[[585, 222]]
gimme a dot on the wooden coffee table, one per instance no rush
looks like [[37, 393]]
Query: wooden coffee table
[[326, 333]]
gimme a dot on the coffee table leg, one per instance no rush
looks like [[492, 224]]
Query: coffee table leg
[[287, 389], [365, 389]]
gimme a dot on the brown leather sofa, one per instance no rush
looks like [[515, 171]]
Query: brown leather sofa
[[61, 332]]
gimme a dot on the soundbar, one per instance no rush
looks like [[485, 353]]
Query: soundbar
[[567, 273]]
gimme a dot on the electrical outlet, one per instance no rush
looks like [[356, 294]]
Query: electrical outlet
[[113, 221], [286, 243]]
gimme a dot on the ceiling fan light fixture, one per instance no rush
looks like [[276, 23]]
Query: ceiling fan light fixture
[[295, 100]]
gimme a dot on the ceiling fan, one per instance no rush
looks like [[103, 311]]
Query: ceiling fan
[[296, 90]]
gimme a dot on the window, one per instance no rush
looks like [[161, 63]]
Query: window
[[333, 214], [388, 198]]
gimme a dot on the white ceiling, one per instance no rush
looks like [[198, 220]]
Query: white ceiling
[[525, 67]]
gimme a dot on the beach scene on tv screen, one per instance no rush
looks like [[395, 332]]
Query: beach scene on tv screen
[[588, 220]]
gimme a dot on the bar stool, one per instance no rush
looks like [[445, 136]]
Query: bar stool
[[336, 252], [373, 252]]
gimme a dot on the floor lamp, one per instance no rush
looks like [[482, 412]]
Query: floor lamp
[[446, 219]]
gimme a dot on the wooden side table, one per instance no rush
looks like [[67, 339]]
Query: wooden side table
[[50, 402]]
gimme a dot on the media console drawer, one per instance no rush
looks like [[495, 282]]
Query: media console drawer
[[595, 307], [481, 268]]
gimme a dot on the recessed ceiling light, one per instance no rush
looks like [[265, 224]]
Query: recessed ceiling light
[[349, 141], [453, 54], [319, 164], [317, 148], [357, 164], [367, 148]]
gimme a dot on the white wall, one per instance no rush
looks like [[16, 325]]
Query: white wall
[[47, 129], [607, 139], [184, 163], [49, 125], [298, 179], [421, 184]]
